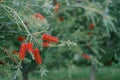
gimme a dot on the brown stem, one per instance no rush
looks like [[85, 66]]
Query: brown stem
[[25, 75], [27, 68], [92, 72]]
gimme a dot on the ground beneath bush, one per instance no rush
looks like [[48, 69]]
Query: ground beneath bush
[[79, 73]]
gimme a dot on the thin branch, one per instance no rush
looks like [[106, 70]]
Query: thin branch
[[20, 20], [90, 9]]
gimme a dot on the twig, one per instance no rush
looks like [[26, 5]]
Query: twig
[[88, 8], [20, 20]]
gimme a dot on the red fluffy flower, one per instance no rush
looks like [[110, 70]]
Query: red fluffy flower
[[46, 44], [85, 56], [22, 51], [30, 47], [40, 16], [37, 56], [91, 26], [57, 6], [49, 38], [21, 38]]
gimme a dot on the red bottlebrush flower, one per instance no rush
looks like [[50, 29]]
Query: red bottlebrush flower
[[30, 47], [1, 63], [21, 38], [15, 52], [91, 26], [61, 18], [37, 56], [57, 6], [46, 44], [22, 51], [38, 15], [85, 56], [49, 38]]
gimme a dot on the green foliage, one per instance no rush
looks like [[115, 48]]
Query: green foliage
[[99, 42], [71, 24]]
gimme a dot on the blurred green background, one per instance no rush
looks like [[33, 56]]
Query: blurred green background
[[79, 73]]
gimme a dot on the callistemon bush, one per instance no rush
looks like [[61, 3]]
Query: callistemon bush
[[19, 17], [37, 56], [49, 38]]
